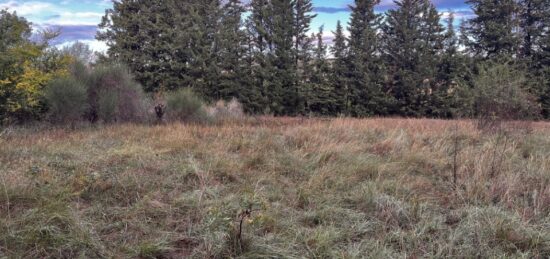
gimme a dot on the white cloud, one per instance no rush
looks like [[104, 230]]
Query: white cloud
[[27, 8], [458, 14], [95, 45], [75, 18], [53, 14]]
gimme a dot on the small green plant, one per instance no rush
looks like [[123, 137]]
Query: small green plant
[[66, 98], [153, 249], [184, 105]]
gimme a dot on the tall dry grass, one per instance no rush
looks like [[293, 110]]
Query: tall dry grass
[[341, 188]]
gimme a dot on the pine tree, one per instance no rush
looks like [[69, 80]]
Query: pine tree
[[167, 44], [534, 21], [492, 32], [413, 40], [205, 46], [451, 70], [141, 34], [543, 61], [284, 94], [533, 18], [236, 58], [339, 71], [303, 47], [365, 79], [322, 99], [232, 53], [252, 98], [258, 27]]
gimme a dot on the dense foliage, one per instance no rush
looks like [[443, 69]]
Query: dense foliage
[[404, 62], [66, 98], [408, 61], [26, 67]]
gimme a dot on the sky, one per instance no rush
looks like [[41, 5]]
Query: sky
[[78, 19]]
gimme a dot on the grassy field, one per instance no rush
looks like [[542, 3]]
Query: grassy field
[[341, 188]]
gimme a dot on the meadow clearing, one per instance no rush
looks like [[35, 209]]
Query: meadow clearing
[[276, 188]]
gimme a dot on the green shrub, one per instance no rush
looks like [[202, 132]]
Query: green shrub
[[500, 94], [184, 105], [114, 95], [66, 98], [107, 106]]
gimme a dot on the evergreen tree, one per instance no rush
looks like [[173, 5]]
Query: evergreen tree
[[533, 16], [413, 41], [142, 34], [339, 71], [451, 70], [491, 33], [258, 27], [205, 45], [252, 99], [407, 64], [534, 20], [322, 99], [167, 44], [448, 68], [284, 94], [235, 59], [543, 59], [232, 49], [303, 47], [365, 77]]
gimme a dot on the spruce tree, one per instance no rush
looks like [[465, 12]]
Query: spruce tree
[[205, 45], [303, 48], [258, 27], [142, 34], [252, 99], [543, 59], [284, 94], [452, 70], [322, 99], [339, 71], [533, 23], [232, 53], [492, 32], [236, 59], [365, 77], [413, 41]]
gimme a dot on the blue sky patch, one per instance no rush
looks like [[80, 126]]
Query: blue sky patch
[[78, 19]]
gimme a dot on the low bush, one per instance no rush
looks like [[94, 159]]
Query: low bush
[[226, 111], [66, 98], [114, 95], [185, 105], [500, 94]]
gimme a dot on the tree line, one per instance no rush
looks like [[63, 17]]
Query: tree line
[[408, 61]]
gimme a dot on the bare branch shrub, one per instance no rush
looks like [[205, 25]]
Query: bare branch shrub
[[226, 111]]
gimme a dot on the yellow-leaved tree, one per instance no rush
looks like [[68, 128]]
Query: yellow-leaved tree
[[26, 67]]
